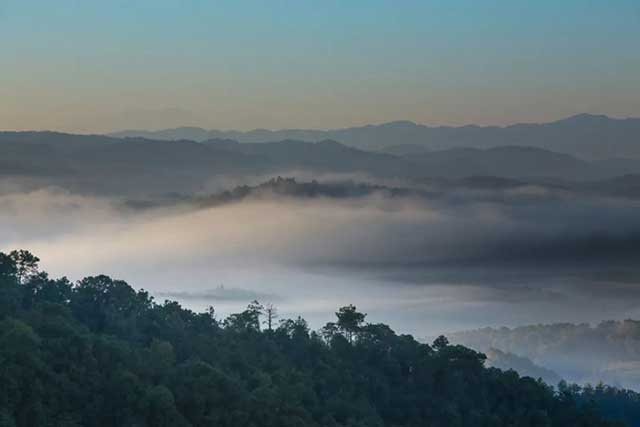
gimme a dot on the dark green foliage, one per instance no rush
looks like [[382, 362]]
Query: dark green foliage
[[98, 353]]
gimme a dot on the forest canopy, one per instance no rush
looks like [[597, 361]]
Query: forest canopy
[[99, 353]]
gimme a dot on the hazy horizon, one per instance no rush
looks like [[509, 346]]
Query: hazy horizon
[[326, 128], [276, 65]]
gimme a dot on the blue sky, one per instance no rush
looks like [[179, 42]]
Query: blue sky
[[95, 66]]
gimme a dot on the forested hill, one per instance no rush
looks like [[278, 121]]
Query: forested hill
[[99, 353]]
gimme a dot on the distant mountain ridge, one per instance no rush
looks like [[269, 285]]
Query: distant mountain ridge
[[102, 164], [584, 135]]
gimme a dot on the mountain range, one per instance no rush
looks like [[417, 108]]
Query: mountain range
[[585, 136], [101, 164]]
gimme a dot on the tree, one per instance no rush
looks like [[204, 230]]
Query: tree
[[40, 288], [26, 264], [8, 268], [440, 343], [349, 321], [376, 334], [294, 328], [248, 320], [254, 311], [103, 302], [9, 287], [272, 314]]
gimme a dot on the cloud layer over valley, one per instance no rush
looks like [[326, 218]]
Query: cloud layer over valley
[[424, 261]]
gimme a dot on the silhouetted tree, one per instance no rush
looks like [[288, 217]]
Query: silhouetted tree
[[26, 264], [349, 321], [440, 343], [272, 314], [248, 320]]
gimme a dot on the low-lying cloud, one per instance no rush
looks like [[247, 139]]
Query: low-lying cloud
[[447, 261]]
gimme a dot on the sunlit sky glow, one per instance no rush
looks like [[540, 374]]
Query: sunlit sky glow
[[96, 66]]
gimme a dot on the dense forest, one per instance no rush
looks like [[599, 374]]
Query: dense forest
[[99, 353]]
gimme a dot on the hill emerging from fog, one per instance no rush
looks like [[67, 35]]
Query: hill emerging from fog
[[522, 365], [608, 352], [585, 136], [478, 188]]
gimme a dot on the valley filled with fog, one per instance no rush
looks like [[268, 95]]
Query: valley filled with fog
[[427, 261], [431, 243], [319, 214]]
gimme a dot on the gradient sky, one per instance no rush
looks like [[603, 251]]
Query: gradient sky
[[94, 66]]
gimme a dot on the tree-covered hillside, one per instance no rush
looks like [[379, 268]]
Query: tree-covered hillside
[[99, 353]]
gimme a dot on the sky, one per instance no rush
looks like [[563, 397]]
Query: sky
[[98, 66]]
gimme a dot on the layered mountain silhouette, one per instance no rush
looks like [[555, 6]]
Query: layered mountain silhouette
[[107, 164], [585, 136]]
